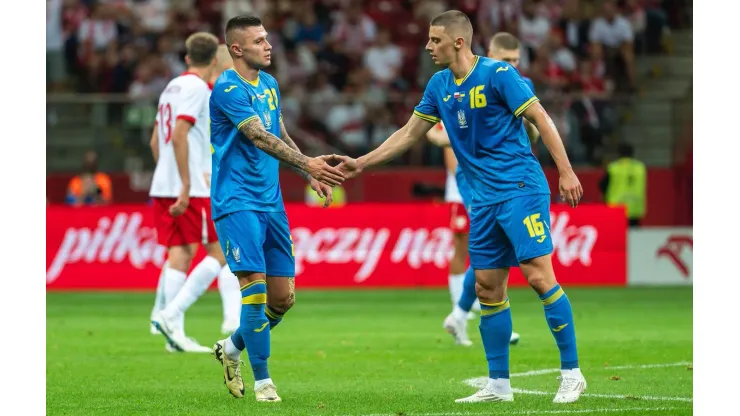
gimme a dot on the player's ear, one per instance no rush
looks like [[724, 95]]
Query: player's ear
[[187, 60]]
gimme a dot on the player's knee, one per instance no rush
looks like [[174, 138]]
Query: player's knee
[[179, 258], [283, 303], [490, 293], [540, 280]]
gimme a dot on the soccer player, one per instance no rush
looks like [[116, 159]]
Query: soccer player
[[179, 188], [248, 140], [502, 47], [480, 101], [193, 288]]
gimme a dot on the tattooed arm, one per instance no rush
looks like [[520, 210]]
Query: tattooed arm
[[286, 138], [273, 146]]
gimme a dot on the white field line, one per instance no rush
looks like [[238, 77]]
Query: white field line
[[610, 396], [538, 412], [618, 367]]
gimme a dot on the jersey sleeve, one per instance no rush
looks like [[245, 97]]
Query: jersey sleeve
[[530, 84], [234, 102], [427, 109], [193, 100], [512, 89]]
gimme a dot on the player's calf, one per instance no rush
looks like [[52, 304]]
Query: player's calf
[[559, 316]]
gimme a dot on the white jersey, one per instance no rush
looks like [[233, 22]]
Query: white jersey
[[452, 194], [186, 97]]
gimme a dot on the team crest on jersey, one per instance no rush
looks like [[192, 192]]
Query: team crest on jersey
[[267, 119], [461, 119], [261, 97], [236, 255], [459, 96]]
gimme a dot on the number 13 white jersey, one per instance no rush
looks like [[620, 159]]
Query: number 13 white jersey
[[186, 97]]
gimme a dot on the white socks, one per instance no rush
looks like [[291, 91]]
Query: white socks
[[456, 286], [459, 314], [231, 295], [159, 302], [173, 282], [231, 351], [574, 372], [258, 384], [198, 281], [500, 385]]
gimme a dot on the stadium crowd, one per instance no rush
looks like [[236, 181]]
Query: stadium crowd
[[352, 70]]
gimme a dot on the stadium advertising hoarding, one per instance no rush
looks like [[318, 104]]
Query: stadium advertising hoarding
[[360, 245], [661, 256]]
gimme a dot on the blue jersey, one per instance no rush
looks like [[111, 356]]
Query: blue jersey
[[481, 115], [244, 177], [462, 183]]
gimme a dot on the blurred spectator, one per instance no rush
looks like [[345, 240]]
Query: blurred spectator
[[321, 97], [346, 121], [635, 14], [592, 108], [154, 15], [575, 28], [625, 183], [150, 80], [384, 59], [534, 30], [382, 128], [563, 57], [613, 34], [55, 66], [353, 29], [89, 187]]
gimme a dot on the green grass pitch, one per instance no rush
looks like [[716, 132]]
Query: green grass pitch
[[371, 353]]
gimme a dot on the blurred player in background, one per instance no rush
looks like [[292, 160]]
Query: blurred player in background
[[228, 284], [480, 101], [180, 191], [248, 141], [502, 47]]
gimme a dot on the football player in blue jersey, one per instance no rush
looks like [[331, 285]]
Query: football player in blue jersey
[[480, 100], [502, 47], [248, 141]]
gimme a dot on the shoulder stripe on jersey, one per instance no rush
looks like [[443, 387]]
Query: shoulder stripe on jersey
[[245, 121], [525, 106], [460, 81], [426, 117]]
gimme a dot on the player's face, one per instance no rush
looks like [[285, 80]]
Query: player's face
[[511, 56], [441, 46], [253, 47]]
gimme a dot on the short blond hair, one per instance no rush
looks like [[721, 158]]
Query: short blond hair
[[223, 57], [201, 48]]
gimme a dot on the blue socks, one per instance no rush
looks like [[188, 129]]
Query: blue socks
[[254, 328], [560, 320], [468, 296], [495, 331], [273, 316]]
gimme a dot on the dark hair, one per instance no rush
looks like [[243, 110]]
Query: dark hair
[[505, 41], [626, 150], [242, 22], [201, 48], [456, 21]]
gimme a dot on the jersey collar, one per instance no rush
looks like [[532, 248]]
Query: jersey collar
[[459, 82]]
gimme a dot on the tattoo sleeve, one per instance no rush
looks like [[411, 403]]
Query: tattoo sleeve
[[272, 145], [286, 138]]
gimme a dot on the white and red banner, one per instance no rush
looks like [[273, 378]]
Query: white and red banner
[[661, 256], [360, 245]]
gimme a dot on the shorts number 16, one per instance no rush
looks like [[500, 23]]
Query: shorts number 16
[[534, 225]]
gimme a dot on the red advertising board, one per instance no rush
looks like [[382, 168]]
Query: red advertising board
[[360, 245]]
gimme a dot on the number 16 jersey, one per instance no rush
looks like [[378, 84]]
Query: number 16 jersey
[[481, 114]]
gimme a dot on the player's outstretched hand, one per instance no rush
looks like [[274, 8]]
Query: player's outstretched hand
[[179, 207], [349, 167], [323, 190], [320, 170], [570, 188]]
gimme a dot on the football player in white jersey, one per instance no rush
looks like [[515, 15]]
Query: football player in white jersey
[[180, 189], [228, 284]]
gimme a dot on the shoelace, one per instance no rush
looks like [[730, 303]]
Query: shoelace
[[567, 383]]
